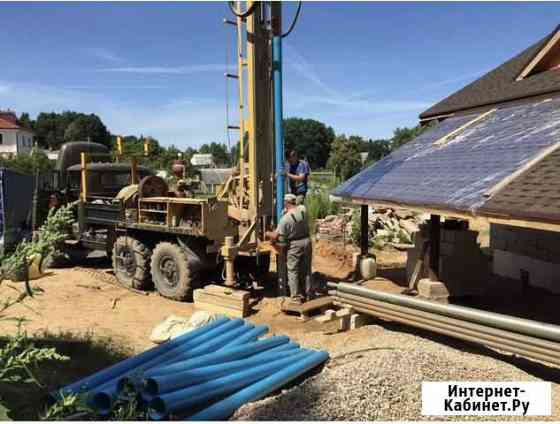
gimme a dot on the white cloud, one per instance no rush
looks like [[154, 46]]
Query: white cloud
[[172, 70], [104, 54], [183, 122]]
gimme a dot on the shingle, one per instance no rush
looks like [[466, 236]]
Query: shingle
[[500, 85], [457, 175], [533, 195]]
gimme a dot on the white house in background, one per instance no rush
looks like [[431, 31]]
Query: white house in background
[[13, 137]]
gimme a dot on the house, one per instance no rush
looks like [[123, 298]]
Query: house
[[492, 150], [14, 138]]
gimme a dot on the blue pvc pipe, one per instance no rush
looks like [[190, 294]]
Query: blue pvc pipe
[[278, 130], [223, 409], [103, 376], [248, 337], [181, 400], [209, 342], [281, 348], [225, 355], [159, 385]]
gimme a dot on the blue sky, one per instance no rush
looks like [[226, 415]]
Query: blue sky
[[157, 68]]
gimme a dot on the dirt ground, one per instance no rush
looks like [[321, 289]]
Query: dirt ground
[[84, 301]]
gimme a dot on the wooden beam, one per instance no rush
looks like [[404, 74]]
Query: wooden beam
[[364, 230], [535, 225], [539, 56], [435, 225], [540, 156], [446, 138]]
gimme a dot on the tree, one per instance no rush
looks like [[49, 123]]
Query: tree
[[311, 139], [25, 121], [87, 127], [376, 149], [219, 152], [344, 157], [403, 135], [28, 163]]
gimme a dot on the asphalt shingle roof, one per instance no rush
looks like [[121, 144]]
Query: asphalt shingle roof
[[500, 85]]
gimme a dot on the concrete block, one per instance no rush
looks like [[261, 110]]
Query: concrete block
[[344, 323], [433, 290], [359, 320]]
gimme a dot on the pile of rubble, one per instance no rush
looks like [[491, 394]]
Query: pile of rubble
[[386, 226]]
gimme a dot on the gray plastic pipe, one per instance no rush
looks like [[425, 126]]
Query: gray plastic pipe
[[504, 322]]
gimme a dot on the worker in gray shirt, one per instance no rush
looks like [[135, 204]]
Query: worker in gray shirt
[[292, 234]]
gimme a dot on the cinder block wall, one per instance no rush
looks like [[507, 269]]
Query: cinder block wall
[[463, 268], [536, 252]]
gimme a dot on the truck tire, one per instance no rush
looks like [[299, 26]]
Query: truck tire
[[131, 263], [174, 271]]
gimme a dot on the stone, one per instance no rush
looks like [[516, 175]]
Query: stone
[[432, 290]]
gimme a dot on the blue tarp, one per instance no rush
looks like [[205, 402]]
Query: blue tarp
[[457, 174]]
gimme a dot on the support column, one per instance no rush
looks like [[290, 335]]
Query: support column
[[364, 231], [435, 223]]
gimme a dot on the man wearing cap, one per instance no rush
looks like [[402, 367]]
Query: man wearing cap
[[298, 173], [292, 234]]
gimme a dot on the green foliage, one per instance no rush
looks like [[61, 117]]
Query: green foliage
[[52, 129], [66, 406], [46, 244], [345, 156], [403, 135], [219, 151], [28, 163], [19, 357], [311, 139]]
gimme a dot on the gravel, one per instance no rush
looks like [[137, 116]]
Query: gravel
[[377, 375]]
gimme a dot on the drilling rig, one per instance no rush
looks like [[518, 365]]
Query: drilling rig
[[161, 237]]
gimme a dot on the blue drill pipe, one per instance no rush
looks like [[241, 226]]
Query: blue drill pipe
[[209, 343], [278, 131], [101, 398], [251, 336], [181, 400], [159, 385], [223, 409], [221, 356], [122, 367]]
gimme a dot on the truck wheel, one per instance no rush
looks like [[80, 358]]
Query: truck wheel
[[173, 272], [131, 263]]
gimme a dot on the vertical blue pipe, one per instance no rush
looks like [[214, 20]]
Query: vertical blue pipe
[[278, 116]]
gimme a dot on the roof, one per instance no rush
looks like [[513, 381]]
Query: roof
[[500, 85], [108, 166], [7, 125], [535, 194], [459, 174], [215, 176]]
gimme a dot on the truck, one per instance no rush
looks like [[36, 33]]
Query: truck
[[169, 238]]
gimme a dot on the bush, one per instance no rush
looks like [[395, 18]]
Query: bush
[[319, 206]]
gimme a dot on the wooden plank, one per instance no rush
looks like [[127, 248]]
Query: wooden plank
[[448, 137], [226, 291], [539, 56], [216, 300], [540, 156], [208, 307], [526, 224]]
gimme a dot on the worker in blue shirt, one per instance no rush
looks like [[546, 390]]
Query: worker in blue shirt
[[298, 174]]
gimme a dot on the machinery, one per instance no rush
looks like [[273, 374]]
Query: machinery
[[169, 238]]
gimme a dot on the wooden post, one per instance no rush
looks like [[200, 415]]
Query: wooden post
[[133, 171], [434, 243], [364, 231], [83, 160]]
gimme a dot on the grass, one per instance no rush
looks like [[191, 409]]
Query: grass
[[87, 355], [319, 206]]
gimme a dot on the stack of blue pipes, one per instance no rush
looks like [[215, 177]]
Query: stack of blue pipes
[[205, 374]]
